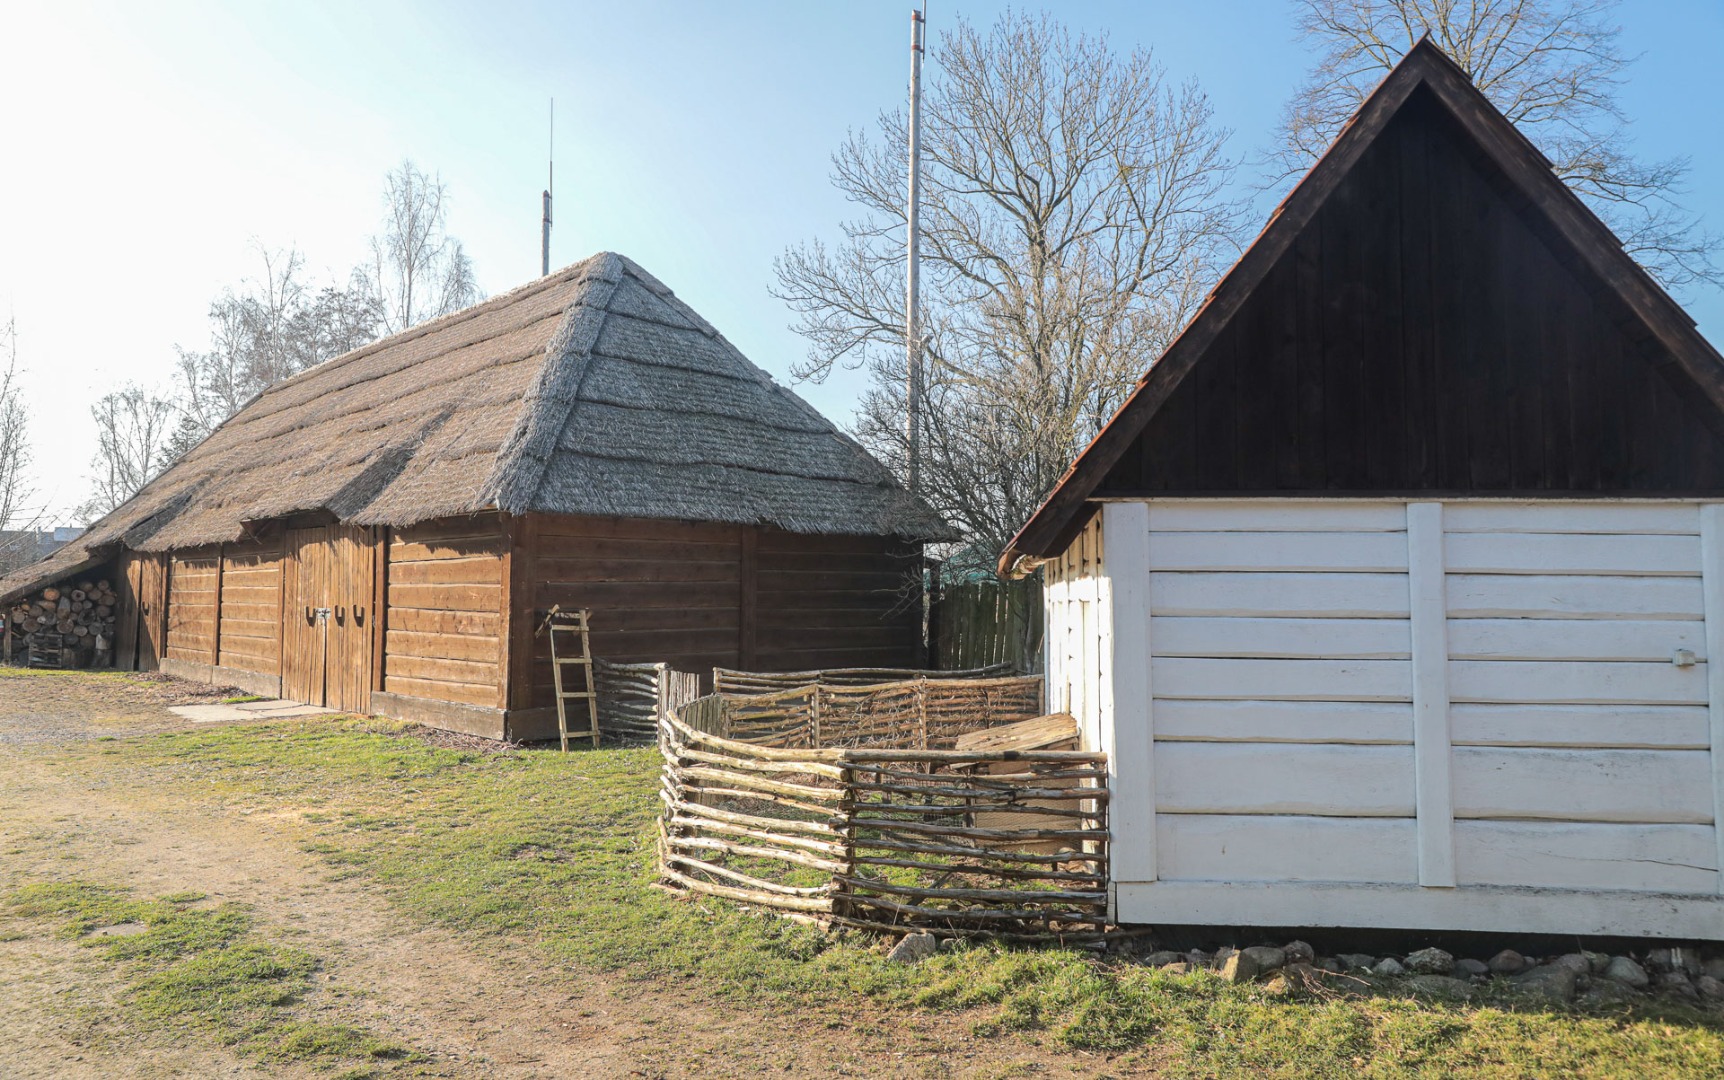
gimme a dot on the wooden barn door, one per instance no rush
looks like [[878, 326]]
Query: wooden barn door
[[326, 642], [142, 629]]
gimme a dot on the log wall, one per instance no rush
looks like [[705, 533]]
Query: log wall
[[699, 595], [194, 588], [251, 606], [444, 624]]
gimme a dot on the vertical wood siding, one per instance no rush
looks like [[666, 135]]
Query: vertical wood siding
[[444, 612], [1427, 333]]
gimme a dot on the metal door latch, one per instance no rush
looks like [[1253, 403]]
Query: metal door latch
[[1684, 658]]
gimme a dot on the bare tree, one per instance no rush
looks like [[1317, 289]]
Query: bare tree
[[1552, 66], [18, 516], [276, 326], [417, 270], [1073, 217], [133, 425]]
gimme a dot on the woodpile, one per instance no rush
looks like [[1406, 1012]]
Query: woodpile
[[65, 625]]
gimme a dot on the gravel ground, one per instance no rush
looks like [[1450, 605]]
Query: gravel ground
[[50, 707]]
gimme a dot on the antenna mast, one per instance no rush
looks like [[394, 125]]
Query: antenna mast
[[550, 182], [912, 299]]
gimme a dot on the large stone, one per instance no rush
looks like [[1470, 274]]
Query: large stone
[[1429, 962], [1178, 967], [1163, 958], [1472, 969], [1606, 992], [1714, 967], [1388, 966], [1551, 981], [1625, 971], [1239, 967], [1677, 984], [1574, 962], [1598, 960], [1267, 957], [1197, 958], [1709, 988], [1441, 986], [1299, 953], [914, 948], [1507, 962], [1354, 961]]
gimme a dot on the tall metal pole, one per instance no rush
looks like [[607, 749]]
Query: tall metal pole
[[550, 182], [912, 299]]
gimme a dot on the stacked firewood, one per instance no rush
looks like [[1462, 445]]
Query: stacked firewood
[[65, 625]]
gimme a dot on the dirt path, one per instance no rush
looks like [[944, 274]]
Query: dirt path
[[474, 1009]]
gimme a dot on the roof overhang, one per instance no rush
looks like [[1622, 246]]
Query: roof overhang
[[1068, 507]]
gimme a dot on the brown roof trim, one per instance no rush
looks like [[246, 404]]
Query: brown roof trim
[[1065, 511]]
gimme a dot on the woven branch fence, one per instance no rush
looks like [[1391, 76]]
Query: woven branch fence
[[919, 714], [731, 681], [1010, 845], [633, 696]]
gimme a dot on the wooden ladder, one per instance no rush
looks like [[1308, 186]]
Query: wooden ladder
[[568, 624]]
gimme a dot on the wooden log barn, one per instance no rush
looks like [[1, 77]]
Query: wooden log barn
[[384, 532], [1395, 591]]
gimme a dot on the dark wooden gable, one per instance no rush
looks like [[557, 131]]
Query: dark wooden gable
[[1422, 334], [1430, 311]]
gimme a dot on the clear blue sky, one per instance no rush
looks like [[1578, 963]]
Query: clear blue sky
[[146, 147]]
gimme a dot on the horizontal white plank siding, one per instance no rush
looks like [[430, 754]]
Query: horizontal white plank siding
[[1285, 721], [1503, 596], [1282, 680], [1291, 515], [1574, 639], [1278, 595], [1662, 786], [1565, 553], [1301, 551], [1538, 756], [1572, 682], [1191, 847], [1680, 519], [1315, 639], [1653, 727], [1570, 855], [1269, 778]]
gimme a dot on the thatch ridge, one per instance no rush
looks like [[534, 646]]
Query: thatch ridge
[[591, 391]]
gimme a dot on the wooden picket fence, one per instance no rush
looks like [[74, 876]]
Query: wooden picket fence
[[975, 624], [1010, 845]]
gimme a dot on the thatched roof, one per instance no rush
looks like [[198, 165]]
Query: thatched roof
[[592, 391]]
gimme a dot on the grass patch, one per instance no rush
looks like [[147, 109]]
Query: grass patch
[[204, 970], [241, 699], [554, 853]]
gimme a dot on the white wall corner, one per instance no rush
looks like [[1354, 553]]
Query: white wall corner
[[1124, 717], [1712, 589]]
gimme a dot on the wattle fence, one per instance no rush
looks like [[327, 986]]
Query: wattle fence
[[890, 829]]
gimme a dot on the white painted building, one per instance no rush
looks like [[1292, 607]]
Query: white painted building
[[1437, 642]]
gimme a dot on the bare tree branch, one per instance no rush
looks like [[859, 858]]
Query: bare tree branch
[[1552, 66], [417, 270], [1073, 214]]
